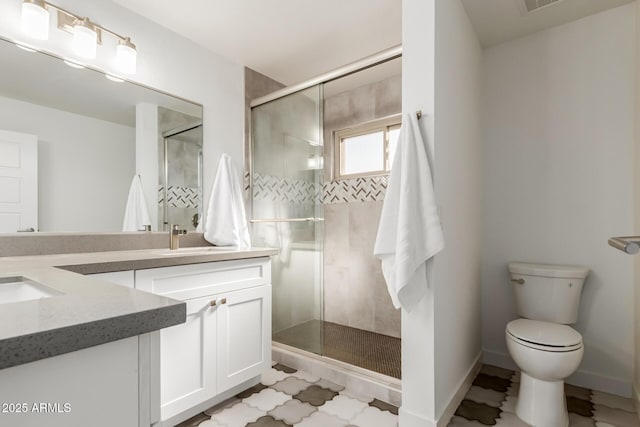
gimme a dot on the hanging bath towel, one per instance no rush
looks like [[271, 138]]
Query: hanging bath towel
[[409, 233], [226, 223], [136, 214]]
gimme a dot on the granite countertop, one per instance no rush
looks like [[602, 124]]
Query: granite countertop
[[90, 311]]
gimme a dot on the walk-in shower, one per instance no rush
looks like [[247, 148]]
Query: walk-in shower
[[329, 297], [180, 198]]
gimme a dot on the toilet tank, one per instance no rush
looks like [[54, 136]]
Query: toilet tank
[[547, 292]]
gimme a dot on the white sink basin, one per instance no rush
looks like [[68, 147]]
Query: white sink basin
[[17, 289], [198, 250]]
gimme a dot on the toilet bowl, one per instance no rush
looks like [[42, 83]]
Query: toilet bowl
[[546, 354], [541, 343]]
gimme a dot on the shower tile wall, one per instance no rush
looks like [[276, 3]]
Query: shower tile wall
[[355, 292]]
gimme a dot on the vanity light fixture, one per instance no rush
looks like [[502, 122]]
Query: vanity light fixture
[[35, 19], [87, 35]]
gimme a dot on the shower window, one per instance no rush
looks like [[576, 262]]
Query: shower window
[[367, 149]]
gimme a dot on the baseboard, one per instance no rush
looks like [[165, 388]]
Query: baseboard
[[410, 419], [458, 395], [580, 378]]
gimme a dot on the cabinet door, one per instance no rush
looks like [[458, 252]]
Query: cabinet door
[[244, 335], [187, 359]]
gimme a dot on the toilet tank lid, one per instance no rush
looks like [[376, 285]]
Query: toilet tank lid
[[544, 333], [549, 270]]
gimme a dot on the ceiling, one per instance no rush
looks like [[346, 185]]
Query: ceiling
[[287, 40], [295, 40], [497, 21]]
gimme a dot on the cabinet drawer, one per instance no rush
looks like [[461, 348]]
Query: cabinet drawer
[[197, 280]]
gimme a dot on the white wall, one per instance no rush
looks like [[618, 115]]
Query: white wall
[[166, 61], [559, 180], [441, 77], [636, 322], [458, 183], [72, 195]]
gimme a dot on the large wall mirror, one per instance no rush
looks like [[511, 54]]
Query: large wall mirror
[[71, 136]]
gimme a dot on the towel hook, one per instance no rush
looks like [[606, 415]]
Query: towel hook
[[419, 114]]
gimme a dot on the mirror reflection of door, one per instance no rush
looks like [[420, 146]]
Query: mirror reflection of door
[[18, 182]]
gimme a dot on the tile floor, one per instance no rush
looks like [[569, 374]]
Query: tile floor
[[491, 401], [287, 397]]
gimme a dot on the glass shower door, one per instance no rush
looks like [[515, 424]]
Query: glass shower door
[[286, 183]]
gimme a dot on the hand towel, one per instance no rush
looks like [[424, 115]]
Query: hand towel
[[136, 214], [409, 233], [226, 223]]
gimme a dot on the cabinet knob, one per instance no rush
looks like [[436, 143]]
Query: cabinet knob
[[223, 301], [213, 303]]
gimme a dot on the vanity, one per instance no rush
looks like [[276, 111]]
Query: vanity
[[144, 337]]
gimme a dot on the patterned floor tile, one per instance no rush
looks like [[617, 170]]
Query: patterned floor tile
[[193, 421], [291, 386], [493, 383], [513, 389], [601, 424], [509, 405], [315, 395], [617, 417], [463, 422], [361, 397], [508, 419], [486, 396], [224, 405], [272, 376], [494, 371], [576, 420], [343, 407], [516, 377], [267, 399], [268, 421], [306, 376], [239, 415], [322, 419], [374, 417], [211, 423], [284, 368], [577, 392], [612, 401], [478, 411], [330, 385], [384, 406], [293, 411], [580, 406]]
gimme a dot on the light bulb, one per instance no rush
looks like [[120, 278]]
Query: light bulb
[[35, 19], [126, 56], [85, 38]]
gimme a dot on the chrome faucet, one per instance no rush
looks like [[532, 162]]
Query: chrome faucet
[[174, 236]]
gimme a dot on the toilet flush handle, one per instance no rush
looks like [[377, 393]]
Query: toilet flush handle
[[518, 281]]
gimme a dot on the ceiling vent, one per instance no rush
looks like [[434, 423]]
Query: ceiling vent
[[535, 5]]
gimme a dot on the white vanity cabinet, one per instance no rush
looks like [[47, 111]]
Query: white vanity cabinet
[[226, 340]]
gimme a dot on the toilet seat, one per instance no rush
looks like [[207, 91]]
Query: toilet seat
[[544, 336]]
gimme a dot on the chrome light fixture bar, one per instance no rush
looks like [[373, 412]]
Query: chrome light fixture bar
[[87, 35]]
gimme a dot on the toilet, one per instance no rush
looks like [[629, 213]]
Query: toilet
[[541, 343]]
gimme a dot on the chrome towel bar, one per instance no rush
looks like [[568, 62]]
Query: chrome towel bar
[[627, 244]]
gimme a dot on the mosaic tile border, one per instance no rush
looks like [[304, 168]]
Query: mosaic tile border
[[277, 189], [179, 197]]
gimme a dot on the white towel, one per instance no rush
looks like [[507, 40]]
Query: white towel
[[136, 214], [409, 232], [226, 223]]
